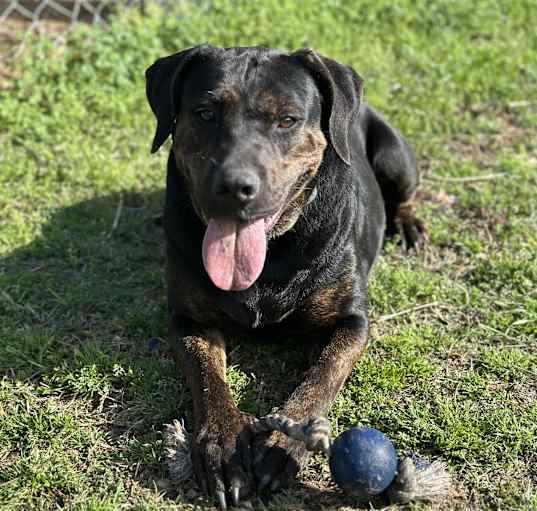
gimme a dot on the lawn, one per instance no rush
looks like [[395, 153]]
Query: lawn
[[451, 370]]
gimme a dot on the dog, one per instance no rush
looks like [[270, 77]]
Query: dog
[[281, 186]]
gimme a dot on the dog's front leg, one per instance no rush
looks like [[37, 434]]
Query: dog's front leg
[[200, 354], [277, 459]]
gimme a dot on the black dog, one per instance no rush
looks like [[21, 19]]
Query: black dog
[[280, 187]]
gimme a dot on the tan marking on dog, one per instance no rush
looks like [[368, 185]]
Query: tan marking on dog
[[325, 306], [228, 95], [268, 105], [272, 106], [407, 208], [324, 379], [304, 160]]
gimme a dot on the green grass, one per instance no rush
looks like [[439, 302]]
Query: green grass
[[83, 401]]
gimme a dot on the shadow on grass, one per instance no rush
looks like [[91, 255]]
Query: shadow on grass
[[82, 299]]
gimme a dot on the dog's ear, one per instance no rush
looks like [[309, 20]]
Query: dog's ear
[[163, 86], [341, 89]]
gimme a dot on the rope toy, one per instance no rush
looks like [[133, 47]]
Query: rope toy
[[363, 462]]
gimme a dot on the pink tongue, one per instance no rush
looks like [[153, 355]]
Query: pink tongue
[[234, 253]]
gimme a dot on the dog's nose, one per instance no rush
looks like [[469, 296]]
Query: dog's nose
[[242, 187]]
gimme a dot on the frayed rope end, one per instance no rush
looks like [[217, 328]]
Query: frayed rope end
[[419, 480], [178, 461]]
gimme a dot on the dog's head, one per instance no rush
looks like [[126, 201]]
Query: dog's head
[[249, 128]]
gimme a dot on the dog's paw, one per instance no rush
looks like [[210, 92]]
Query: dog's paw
[[276, 460], [218, 464], [411, 230]]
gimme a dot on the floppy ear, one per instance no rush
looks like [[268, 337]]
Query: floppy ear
[[162, 89], [341, 89]]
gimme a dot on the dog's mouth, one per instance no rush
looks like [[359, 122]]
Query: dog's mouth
[[234, 251]]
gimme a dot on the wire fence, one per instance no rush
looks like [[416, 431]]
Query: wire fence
[[22, 19]]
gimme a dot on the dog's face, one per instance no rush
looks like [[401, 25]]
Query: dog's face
[[248, 132], [248, 135]]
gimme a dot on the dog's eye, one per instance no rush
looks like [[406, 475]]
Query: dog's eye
[[286, 122], [205, 114]]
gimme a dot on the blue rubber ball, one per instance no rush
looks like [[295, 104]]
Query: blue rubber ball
[[363, 462]]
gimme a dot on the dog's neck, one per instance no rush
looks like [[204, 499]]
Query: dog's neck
[[292, 213]]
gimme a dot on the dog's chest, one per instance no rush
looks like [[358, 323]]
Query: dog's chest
[[255, 308]]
